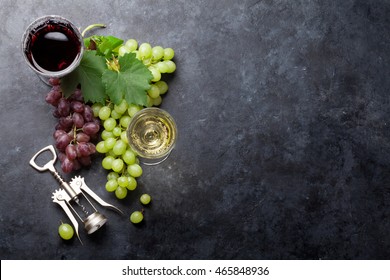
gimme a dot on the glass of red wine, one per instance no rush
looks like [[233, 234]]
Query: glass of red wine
[[52, 47]]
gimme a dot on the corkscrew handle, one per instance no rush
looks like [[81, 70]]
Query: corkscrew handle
[[49, 165]]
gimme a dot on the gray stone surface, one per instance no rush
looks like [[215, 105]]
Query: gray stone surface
[[283, 152]]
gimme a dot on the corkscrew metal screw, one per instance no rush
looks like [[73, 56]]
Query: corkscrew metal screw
[[70, 195]]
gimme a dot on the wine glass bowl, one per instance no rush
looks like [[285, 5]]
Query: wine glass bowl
[[52, 47]]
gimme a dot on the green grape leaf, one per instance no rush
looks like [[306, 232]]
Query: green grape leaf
[[89, 75], [129, 83], [108, 45], [104, 45]]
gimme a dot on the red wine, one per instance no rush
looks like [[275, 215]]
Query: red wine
[[53, 46]]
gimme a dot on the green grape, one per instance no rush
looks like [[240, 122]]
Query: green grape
[[96, 108], [120, 192], [125, 121], [134, 170], [109, 124], [129, 157], [119, 147], [145, 50], [112, 175], [117, 165], [136, 217], [121, 107], [157, 101], [145, 199], [147, 61], [111, 153], [157, 53], [123, 181], [107, 162], [156, 74], [123, 50], [109, 143], [111, 185], [65, 231], [131, 44], [149, 101], [154, 91], [117, 131], [124, 137], [101, 148], [115, 115], [133, 109], [171, 66], [162, 67], [107, 134], [162, 86], [137, 55], [169, 53], [104, 113], [132, 184]]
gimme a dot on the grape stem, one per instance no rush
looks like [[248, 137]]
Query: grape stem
[[74, 134], [89, 27]]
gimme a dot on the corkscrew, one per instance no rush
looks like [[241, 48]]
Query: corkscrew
[[70, 197]]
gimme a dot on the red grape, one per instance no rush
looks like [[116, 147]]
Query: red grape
[[78, 120], [71, 152], [62, 141], [61, 156], [77, 95], [88, 113], [53, 97], [77, 106], [76, 165], [91, 128], [67, 165], [92, 148], [54, 81], [85, 161], [58, 132], [66, 122], [64, 107], [83, 149], [56, 114], [82, 137]]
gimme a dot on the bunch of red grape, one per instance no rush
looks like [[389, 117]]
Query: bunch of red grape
[[76, 128]]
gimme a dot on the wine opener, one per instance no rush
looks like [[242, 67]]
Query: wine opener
[[70, 195]]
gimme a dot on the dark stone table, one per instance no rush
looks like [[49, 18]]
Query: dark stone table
[[284, 142]]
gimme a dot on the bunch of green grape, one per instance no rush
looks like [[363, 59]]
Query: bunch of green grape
[[120, 160], [158, 60]]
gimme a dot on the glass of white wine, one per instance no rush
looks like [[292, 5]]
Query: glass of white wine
[[152, 134]]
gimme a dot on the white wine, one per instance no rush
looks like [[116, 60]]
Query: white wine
[[152, 133]]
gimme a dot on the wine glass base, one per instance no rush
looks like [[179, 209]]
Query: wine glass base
[[149, 161], [44, 79]]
